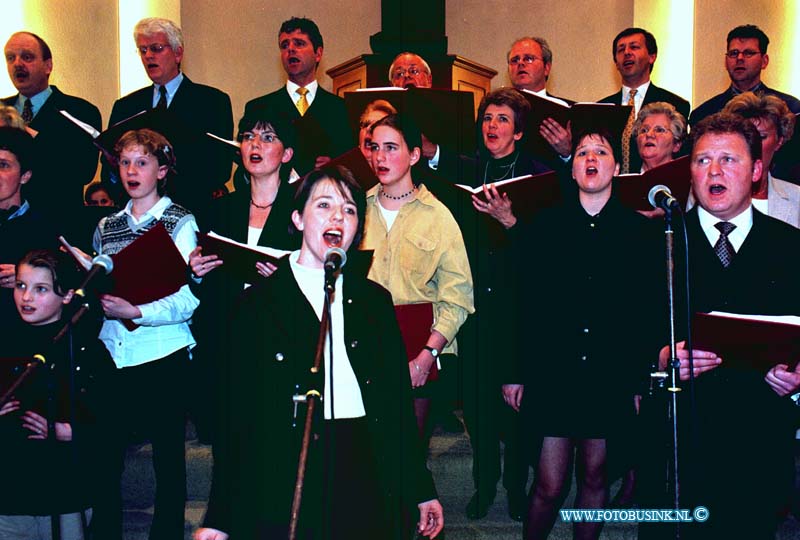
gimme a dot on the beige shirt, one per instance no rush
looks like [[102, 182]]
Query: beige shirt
[[422, 259]]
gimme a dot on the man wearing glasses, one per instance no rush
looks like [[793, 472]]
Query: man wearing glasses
[[30, 61], [529, 62], [745, 59], [634, 52], [197, 107]]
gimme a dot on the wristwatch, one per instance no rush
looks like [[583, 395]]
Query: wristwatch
[[434, 352]]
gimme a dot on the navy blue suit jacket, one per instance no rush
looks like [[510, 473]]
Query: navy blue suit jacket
[[203, 166], [66, 158]]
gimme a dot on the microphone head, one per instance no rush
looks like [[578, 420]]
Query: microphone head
[[651, 196], [105, 262], [336, 252]]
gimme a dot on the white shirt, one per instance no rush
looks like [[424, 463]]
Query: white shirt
[[346, 396], [295, 96], [164, 324], [638, 99], [743, 222], [172, 88], [543, 93]]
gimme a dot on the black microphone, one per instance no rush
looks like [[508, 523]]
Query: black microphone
[[661, 197], [100, 263], [335, 259]]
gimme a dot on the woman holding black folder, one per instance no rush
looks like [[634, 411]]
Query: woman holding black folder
[[588, 334], [364, 473], [256, 214]]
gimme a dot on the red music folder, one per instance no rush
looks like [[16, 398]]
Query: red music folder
[[416, 321], [528, 194], [149, 268], [749, 342], [632, 189], [239, 260]]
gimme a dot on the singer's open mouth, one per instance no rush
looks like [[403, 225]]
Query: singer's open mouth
[[332, 237]]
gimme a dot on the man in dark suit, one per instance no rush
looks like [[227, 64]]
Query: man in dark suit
[[530, 60], [736, 450], [634, 52], [67, 157], [745, 58], [203, 166], [320, 117]]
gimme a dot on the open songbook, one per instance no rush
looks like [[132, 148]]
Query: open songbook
[[582, 114], [528, 193], [632, 189], [748, 341], [239, 259]]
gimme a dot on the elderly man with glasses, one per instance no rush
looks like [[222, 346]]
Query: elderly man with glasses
[[197, 107]]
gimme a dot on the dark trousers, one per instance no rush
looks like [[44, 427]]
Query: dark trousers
[[150, 401], [488, 419]]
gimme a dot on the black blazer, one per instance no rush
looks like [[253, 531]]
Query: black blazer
[[654, 94], [66, 158], [274, 342], [203, 166], [762, 279], [327, 110]]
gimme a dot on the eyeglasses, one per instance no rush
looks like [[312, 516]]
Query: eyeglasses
[[658, 130], [733, 54], [263, 136], [527, 59], [154, 48], [401, 73]]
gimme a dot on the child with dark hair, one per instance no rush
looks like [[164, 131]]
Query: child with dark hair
[[51, 441], [155, 356]]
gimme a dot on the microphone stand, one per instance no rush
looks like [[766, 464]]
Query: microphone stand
[[30, 369], [674, 364], [310, 398]]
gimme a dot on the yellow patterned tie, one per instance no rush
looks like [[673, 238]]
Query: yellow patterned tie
[[302, 103], [626, 134]]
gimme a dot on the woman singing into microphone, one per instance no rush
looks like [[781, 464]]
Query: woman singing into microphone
[[364, 475]]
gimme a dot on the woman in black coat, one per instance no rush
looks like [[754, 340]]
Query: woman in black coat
[[256, 214], [365, 472], [588, 334]]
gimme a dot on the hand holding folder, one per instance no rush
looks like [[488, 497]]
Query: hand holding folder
[[239, 260], [149, 268], [748, 342], [415, 322]]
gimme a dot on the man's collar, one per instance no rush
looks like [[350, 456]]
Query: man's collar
[[759, 86], [37, 100], [311, 87], [171, 86], [641, 90]]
